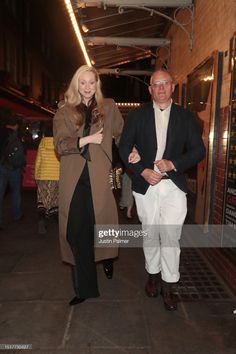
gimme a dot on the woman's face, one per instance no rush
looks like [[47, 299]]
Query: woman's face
[[87, 85]]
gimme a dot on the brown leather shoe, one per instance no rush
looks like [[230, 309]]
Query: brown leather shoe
[[151, 287], [169, 299]]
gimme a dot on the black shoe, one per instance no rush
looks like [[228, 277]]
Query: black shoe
[[76, 300], [108, 268], [169, 300], [152, 284]]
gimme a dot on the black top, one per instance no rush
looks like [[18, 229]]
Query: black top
[[5, 134], [86, 111]]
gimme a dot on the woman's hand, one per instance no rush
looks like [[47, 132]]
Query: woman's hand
[[95, 138], [134, 156]]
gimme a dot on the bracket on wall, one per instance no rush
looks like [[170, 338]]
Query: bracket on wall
[[190, 9], [134, 74], [181, 15]]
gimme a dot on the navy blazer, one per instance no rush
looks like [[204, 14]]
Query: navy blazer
[[184, 145]]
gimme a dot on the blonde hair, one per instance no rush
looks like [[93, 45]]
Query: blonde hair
[[73, 97]]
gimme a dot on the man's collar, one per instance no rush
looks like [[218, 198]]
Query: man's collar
[[155, 106]]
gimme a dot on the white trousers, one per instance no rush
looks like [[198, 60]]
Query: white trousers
[[162, 211]]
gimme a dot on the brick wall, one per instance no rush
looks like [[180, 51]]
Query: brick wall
[[214, 26]]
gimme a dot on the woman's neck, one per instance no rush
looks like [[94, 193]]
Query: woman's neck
[[85, 102]]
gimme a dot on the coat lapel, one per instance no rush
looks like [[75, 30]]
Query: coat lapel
[[170, 130], [151, 128]]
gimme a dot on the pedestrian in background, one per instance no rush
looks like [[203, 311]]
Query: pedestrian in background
[[12, 160], [126, 199], [46, 174]]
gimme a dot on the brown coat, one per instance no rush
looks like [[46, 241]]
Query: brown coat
[[72, 163]]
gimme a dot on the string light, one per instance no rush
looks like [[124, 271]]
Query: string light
[[127, 104], [208, 78], [84, 28], [77, 30]]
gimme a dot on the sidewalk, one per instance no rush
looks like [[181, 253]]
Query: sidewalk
[[35, 288]]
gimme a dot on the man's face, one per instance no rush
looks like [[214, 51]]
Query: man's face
[[161, 88]]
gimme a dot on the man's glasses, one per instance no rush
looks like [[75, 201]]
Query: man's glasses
[[164, 83]]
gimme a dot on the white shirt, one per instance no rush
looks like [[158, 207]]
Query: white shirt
[[161, 123]]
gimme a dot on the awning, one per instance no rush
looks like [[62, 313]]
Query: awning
[[24, 107]]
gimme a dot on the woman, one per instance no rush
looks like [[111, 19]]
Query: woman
[[83, 130], [46, 175]]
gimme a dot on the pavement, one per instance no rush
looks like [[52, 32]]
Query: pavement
[[35, 288]]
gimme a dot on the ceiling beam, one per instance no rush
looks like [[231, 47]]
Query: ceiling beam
[[120, 24], [150, 3], [110, 54], [114, 61], [127, 41], [119, 71]]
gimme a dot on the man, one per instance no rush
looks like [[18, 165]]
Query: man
[[10, 174], [168, 140]]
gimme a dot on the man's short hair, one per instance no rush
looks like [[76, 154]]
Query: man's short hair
[[164, 70]]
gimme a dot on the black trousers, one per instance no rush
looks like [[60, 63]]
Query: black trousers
[[80, 235]]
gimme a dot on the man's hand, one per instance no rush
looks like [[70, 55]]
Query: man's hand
[[151, 176], [164, 165]]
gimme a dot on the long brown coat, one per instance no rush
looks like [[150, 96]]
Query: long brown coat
[[72, 163]]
